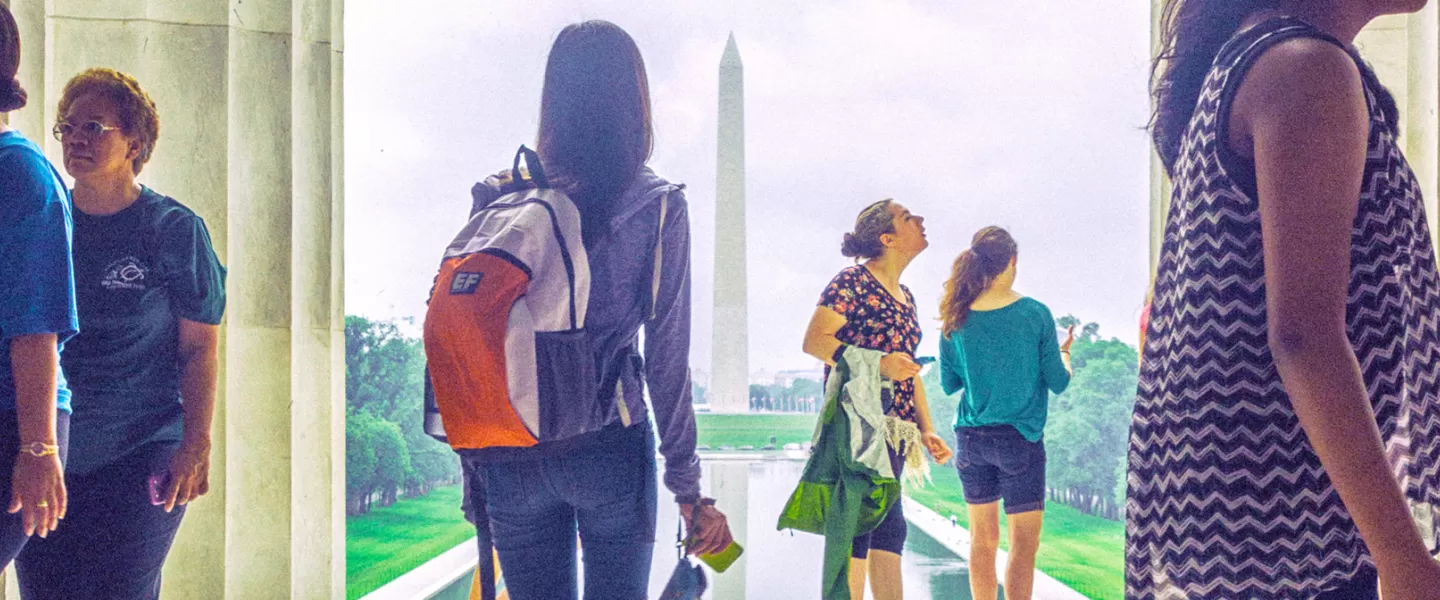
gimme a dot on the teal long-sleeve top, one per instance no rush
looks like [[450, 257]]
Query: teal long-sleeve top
[[1007, 361]]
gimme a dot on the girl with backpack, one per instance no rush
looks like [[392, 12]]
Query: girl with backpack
[[1000, 349], [594, 140], [1287, 424]]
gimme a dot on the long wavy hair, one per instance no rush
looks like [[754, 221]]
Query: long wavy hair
[[988, 256], [1192, 34], [595, 126]]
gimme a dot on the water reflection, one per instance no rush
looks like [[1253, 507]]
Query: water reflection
[[780, 565]]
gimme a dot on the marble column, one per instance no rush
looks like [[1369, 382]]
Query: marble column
[[251, 127], [1422, 96], [1159, 181]]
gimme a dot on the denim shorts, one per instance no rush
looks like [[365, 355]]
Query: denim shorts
[[996, 462]]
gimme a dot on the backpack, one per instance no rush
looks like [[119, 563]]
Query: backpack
[[508, 360]]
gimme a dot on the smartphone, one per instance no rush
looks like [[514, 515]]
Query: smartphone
[[722, 560], [156, 484]]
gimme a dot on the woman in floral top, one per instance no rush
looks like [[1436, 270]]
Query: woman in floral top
[[867, 307]]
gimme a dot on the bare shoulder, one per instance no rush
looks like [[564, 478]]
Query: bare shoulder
[[1300, 73], [1301, 81]]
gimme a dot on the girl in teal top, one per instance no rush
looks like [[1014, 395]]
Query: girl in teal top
[[1000, 349]]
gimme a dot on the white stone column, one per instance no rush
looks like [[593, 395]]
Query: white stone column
[[251, 128], [1423, 94], [258, 436], [317, 551], [30, 17], [1159, 182]]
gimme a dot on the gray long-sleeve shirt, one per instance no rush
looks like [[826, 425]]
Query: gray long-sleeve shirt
[[621, 270]]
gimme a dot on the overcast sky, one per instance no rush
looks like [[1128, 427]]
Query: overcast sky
[[1026, 114]]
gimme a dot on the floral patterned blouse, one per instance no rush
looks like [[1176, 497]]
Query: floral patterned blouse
[[875, 320]]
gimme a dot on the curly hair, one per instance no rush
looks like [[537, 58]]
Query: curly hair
[[138, 115]]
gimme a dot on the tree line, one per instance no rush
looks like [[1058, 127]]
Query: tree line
[[389, 456], [387, 453]]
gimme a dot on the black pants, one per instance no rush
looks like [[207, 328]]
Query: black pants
[[113, 541], [889, 535], [12, 527]]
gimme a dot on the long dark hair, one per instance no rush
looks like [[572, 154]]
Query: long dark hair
[[595, 130], [12, 96], [988, 256], [1192, 34], [864, 242]]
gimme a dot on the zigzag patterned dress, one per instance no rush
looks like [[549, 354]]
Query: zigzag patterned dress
[[1226, 497]]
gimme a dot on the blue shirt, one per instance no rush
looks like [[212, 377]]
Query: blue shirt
[[37, 281], [1007, 361]]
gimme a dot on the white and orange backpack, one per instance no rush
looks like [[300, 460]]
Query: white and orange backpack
[[509, 363]]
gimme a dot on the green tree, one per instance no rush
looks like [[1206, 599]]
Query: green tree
[[384, 386], [359, 461], [1089, 426]]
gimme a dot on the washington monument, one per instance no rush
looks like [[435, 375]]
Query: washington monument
[[730, 375]]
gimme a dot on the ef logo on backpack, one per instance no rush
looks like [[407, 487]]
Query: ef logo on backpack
[[465, 283]]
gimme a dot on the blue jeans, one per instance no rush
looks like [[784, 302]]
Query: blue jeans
[[113, 541], [604, 489]]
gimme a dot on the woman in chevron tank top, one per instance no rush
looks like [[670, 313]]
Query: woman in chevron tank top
[[1286, 435]]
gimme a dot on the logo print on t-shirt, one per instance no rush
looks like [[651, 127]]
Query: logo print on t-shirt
[[125, 274]]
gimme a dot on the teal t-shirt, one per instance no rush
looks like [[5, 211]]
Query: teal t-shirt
[[137, 273], [1007, 361]]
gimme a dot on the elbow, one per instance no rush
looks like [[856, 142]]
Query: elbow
[[813, 347], [1295, 346]]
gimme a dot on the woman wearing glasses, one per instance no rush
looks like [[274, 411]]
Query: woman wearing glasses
[[151, 293], [37, 314]]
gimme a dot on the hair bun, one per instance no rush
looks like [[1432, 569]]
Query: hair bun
[[12, 95], [850, 246]]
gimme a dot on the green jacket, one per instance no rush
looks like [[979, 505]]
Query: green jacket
[[848, 485]]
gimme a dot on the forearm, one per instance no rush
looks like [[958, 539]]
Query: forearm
[[922, 408], [198, 380], [35, 364], [1330, 401]]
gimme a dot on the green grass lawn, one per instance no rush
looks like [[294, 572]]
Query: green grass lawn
[[391, 541], [753, 430], [1082, 551]]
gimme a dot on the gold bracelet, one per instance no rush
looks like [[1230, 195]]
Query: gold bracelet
[[39, 449]]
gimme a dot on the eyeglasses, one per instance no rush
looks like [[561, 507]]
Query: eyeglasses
[[89, 129]]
